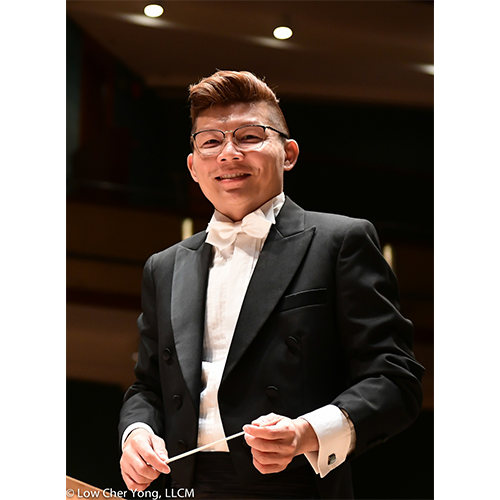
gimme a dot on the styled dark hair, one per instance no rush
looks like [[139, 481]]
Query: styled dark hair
[[230, 87]]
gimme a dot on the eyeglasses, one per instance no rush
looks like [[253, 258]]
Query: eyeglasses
[[246, 138]]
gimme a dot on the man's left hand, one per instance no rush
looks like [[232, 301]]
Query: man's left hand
[[275, 440]]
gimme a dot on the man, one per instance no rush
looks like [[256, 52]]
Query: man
[[277, 321]]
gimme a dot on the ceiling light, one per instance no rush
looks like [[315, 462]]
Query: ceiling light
[[282, 33], [425, 68], [153, 10], [428, 68]]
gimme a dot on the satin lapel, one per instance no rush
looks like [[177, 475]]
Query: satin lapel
[[279, 260], [188, 312]]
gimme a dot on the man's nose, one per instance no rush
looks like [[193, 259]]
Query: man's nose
[[229, 151]]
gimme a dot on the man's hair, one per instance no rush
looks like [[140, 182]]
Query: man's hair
[[230, 87]]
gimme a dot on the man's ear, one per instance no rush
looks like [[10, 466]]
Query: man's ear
[[291, 154], [191, 167]]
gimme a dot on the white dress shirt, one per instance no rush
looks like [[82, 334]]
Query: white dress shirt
[[228, 279]]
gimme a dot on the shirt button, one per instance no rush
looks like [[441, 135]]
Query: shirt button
[[272, 391], [331, 459]]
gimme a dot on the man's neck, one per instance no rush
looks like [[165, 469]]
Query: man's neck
[[237, 216]]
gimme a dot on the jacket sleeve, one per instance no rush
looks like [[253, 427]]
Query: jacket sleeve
[[384, 394], [143, 401]]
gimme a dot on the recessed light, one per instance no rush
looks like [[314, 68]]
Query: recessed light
[[282, 33], [427, 68], [153, 10]]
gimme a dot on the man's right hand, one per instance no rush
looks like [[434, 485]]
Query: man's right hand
[[143, 459]]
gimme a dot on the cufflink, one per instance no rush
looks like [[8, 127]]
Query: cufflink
[[331, 459]]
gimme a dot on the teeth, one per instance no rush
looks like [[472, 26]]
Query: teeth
[[231, 176]]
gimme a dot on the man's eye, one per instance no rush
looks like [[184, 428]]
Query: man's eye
[[210, 143], [209, 140], [250, 138]]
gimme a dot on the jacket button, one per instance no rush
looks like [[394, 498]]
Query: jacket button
[[177, 400], [167, 354], [181, 446], [292, 343], [272, 391]]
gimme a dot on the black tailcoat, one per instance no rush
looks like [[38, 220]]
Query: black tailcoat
[[320, 324]]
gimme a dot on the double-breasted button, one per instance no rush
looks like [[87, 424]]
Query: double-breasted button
[[167, 354], [292, 343], [181, 446], [177, 400], [272, 391]]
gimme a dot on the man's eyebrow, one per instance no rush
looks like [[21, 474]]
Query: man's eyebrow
[[245, 124]]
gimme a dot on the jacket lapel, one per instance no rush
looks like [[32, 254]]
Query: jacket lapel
[[279, 260], [188, 309]]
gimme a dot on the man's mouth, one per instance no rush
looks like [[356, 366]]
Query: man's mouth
[[231, 176]]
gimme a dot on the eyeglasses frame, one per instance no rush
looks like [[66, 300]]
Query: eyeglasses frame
[[265, 127]]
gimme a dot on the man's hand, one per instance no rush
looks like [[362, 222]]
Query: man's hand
[[275, 440], [143, 459]]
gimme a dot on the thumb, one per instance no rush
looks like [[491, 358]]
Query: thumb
[[158, 446], [266, 420]]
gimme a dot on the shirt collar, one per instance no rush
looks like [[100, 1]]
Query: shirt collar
[[269, 210]]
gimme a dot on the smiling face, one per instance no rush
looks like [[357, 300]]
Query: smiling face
[[238, 182]]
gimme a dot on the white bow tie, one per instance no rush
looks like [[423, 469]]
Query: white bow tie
[[222, 234]]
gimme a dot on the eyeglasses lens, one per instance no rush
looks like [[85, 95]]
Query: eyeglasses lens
[[245, 138]]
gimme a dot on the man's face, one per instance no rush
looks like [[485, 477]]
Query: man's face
[[238, 182]]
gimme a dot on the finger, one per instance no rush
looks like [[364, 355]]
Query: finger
[[162, 454], [260, 432], [158, 446], [143, 452], [277, 446], [139, 478], [149, 447], [133, 485], [269, 419], [271, 468], [157, 454], [279, 430], [266, 458], [135, 466]]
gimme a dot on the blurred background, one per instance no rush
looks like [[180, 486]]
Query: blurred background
[[355, 81]]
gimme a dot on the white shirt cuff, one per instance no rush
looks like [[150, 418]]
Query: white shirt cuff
[[133, 427], [335, 435]]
